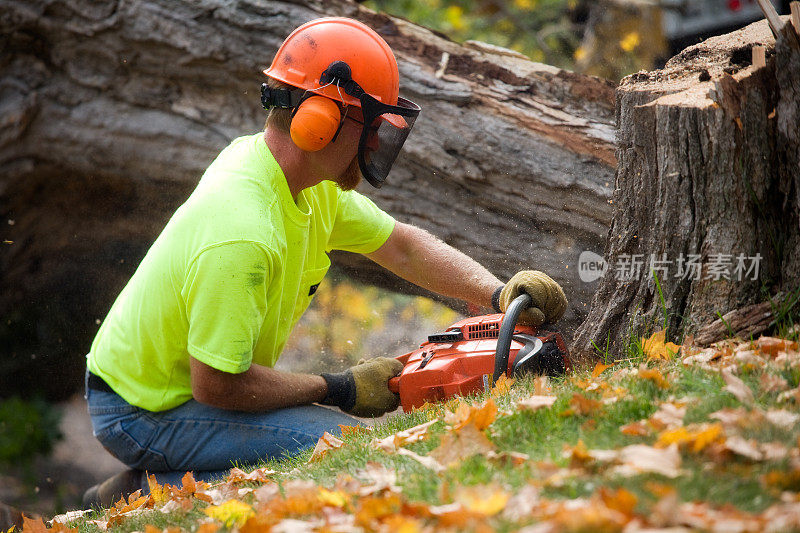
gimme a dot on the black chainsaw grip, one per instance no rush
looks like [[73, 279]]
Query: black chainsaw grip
[[517, 306]]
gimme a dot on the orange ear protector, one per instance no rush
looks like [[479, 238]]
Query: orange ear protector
[[315, 123], [316, 120]]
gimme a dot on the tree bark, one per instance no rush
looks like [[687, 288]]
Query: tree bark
[[111, 110], [709, 163]]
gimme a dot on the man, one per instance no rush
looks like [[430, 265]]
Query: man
[[180, 374]]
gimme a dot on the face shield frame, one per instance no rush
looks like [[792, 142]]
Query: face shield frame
[[395, 121]]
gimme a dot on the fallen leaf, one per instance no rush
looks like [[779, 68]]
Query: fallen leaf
[[481, 416], [620, 500], [333, 498], [325, 444], [669, 415], [637, 429], [536, 402], [457, 446], [737, 387], [349, 431], [259, 475], [541, 385], [695, 437], [599, 368], [655, 376], [772, 383], [580, 405], [745, 448], [782, 418], [426, 461], [639, 458], [486, 500], [402, 438], [656, 349], [502, 386], [233, 513], [772, 345], [33, 525], [792, 395]]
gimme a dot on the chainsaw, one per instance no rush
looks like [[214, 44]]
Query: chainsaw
[[471, 355]]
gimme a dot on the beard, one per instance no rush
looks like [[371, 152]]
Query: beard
[[351, 177]]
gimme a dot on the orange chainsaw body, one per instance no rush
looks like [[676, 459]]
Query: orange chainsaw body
[[461, 360]]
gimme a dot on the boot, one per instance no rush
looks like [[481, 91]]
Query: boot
[[108, 492]]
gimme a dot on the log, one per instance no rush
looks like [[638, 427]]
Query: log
[[111, 110], [709, 174]]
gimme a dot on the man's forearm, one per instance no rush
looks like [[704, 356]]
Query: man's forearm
[[260, 388], [417, 256]]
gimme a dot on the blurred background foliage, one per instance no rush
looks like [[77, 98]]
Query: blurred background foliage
[[348, 321], [548, 31], [606, 38]]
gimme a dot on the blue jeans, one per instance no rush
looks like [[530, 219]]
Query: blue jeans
[[202, 439]]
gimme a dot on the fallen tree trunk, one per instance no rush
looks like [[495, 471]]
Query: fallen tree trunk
[[111, 110], [707, 194]]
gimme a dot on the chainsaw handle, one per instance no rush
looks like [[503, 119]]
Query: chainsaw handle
[[517, 306], [394, 384]]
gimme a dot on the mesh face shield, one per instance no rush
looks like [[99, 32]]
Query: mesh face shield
[[386, 128]]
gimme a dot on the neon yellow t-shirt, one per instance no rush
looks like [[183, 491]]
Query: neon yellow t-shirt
[[228, 277]]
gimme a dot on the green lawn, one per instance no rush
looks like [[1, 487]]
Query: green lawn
[[706, 457]]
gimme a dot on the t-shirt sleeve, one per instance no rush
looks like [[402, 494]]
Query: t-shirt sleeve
[[360, 225], [226, 301]]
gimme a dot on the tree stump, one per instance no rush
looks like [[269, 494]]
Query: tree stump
[[708, 186]]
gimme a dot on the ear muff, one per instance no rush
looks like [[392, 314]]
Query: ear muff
[[315, 123]]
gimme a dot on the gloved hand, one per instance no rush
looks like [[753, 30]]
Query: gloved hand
[[548, 300], [363, 390]]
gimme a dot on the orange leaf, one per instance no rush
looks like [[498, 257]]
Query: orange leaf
[[599, 368], [581, 405], [459, 445], [502, 386], [655, 376], [481, 415], [348, 431], [189, 484], [33, 525], [637, 429], [620, 500]]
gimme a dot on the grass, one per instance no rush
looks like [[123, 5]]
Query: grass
[[543, 436]]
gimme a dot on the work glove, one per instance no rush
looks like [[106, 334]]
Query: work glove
[[363, 390], [548, 301]]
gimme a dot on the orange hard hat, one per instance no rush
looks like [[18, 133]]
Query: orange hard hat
[[313, 47]]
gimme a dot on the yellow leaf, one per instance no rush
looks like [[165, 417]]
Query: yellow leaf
[[630, 41], [599, 368], [231, 513], [485, 500], [695, 437], [157, 492], [333, 498], [655, 348]]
